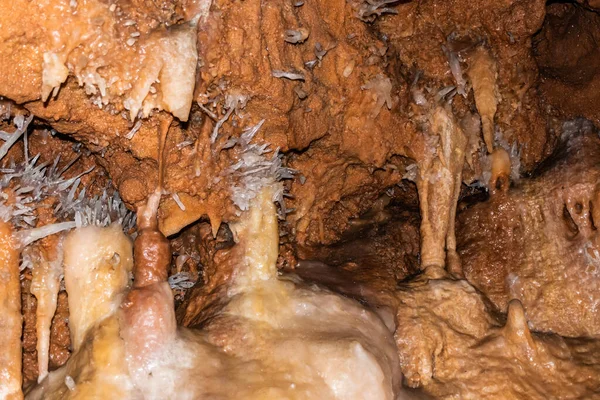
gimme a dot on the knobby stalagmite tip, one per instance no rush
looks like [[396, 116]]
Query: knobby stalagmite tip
[[516, 331]]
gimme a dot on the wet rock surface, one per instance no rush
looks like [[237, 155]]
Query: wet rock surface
[[388, 114], [348, 122], [538, 242], [566, 53]]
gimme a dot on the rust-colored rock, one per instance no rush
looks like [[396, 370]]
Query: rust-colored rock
[[360, 97], [569, 60], [538, 242], [450, 352]]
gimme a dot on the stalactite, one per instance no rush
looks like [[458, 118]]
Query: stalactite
[[46, 272]]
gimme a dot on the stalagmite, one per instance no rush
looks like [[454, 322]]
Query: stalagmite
[[349, 367], [300, 341], [438, 184], [516, 330], [279, 250], [11, 244], [148, 317], [257, 233], [97, 263], [501, 170], [10, 310]]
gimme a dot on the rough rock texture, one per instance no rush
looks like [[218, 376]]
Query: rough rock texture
[[453, 344], [354, 105], [569, 59], [348, 122], [410, 42], [116, 53], [216, 260], [381, 248], [506, 27], [538, 242], [473, 355]]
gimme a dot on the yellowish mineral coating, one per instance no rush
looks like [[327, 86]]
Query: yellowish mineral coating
[[257, 232], [438, 184], [100, 372], [483, 73], [10, 316], [45, 285], [96, 371], [500, 179], [275, 338], [97, 266]]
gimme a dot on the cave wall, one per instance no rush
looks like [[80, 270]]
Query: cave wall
[[348, 138]]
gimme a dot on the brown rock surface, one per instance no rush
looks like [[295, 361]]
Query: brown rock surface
[[217, 260], [349, 116], [351, 105], [452, 352], [567, 53], [538, 243], [380, 249], [452, 343]]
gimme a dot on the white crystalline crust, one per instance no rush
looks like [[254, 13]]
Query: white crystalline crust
[[170, 64], [143, 71]]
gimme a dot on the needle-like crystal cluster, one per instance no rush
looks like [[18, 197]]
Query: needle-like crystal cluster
[[256, 170], [27, 186]]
